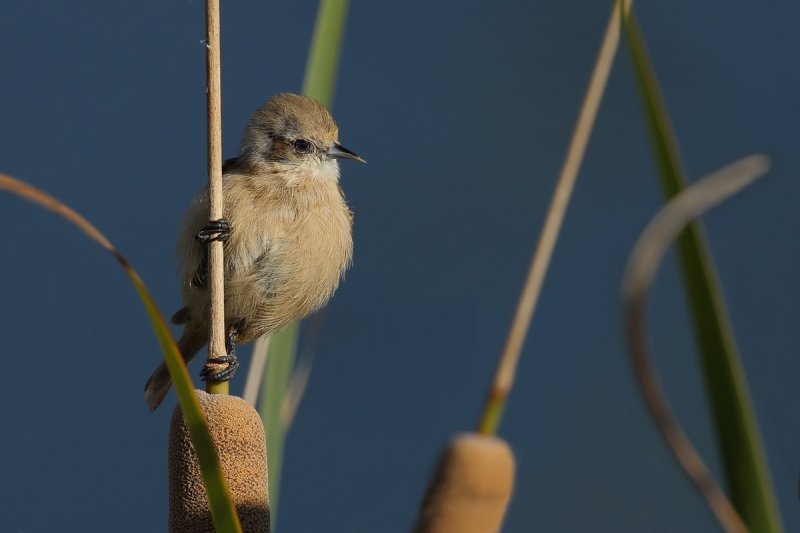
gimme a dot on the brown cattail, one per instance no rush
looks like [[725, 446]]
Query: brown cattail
[[238, 434], [471, 487]]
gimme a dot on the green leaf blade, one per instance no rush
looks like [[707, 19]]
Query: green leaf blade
[[282, 353], [326, 45], [223, 512]]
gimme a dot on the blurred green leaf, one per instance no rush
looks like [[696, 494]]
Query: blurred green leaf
[[326, 46], [282, 351], [738, 437], [223, 511], [320, 78]]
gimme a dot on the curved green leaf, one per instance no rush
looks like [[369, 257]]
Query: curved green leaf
[[223, 511]]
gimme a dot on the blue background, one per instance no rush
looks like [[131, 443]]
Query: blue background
[[463, 110]]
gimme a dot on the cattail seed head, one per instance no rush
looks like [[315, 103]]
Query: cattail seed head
[[471, 487], [238, 435]]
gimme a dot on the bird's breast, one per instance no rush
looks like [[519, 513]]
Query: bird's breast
[[319, 251], [306, 252]]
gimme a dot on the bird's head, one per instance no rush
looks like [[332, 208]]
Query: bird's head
[[295, 136]]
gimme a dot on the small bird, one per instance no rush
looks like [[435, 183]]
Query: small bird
[[286, 229]]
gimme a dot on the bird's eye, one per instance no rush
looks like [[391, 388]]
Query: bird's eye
[[301, 146]]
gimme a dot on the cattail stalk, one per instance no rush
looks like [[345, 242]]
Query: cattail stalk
[[509, 358], [216, 278]]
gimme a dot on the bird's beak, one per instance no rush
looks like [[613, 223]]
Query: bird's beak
[[337, 151]]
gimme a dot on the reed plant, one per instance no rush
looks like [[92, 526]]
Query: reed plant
[[473, 482]]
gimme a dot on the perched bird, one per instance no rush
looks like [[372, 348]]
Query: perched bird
[[287, 232]]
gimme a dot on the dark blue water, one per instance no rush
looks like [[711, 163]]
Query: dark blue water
[[463, 110]]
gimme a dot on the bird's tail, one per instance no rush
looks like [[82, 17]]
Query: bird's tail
[[159, 383]]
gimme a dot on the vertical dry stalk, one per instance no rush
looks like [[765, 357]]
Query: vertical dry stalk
[[216, 337], [504, 376]]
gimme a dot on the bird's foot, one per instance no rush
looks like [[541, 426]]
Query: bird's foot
[[214, 375], [215, 230]]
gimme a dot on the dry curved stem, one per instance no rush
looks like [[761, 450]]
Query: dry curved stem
[[641, 269], [509, 358]]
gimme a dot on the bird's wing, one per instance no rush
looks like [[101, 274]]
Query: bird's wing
[[231, 166], [181, 316], [200, 275]]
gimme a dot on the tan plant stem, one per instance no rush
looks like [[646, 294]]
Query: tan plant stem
[[258, 363], [509, 358], [216, 285]]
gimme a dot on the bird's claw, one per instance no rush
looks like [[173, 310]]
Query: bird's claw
[[214, 375], [209, 373], [215, 230]]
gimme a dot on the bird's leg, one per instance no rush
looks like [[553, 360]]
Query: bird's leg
[[215, 230], [230, 359]]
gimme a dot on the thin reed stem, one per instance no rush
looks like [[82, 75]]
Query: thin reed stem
[[255, 374], [509, 358], [216, 276]]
